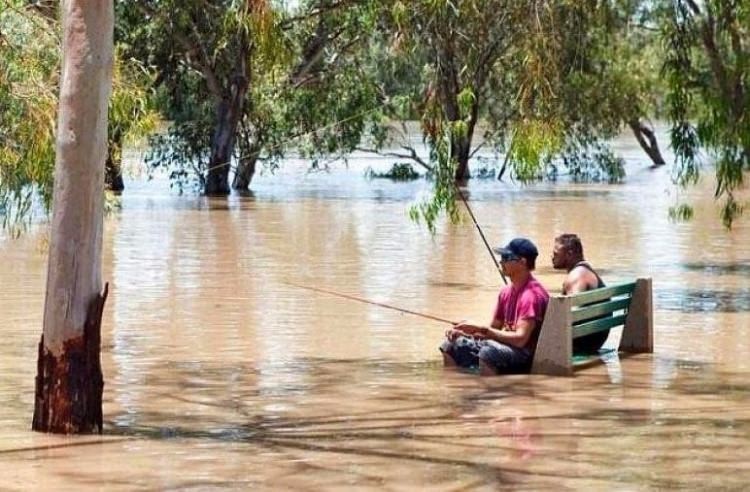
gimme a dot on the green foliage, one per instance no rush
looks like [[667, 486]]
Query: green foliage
[[588, 159], [29, 68], [549, 82], [534, 144], [707, 68], [304, 85], [181, 155], [132, 115], [400, 171], [443, 198], [28, 103], [681, 213]]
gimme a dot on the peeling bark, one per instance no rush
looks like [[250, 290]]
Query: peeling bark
[[69, 387]]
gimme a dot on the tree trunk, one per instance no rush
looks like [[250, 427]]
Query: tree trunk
[[228, 116], [460, 149], [245, 170], [69, 381], [113, 167], [647, 140], [113, 179]]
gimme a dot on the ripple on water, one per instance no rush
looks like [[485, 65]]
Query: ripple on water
[[703, 300]]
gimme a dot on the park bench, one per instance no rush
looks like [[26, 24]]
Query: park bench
[[569, 317]]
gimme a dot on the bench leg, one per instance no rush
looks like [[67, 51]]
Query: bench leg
[[554, 348], [638, 333]]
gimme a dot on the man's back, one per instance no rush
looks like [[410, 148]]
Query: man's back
[[583, 277]]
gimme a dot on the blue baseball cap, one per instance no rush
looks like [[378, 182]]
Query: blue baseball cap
[[519, 247]]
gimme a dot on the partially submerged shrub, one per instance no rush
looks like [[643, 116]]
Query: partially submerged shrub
[[398, 172]]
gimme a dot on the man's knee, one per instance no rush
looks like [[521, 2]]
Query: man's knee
[[502, 359], [448, 360], [493, 356]]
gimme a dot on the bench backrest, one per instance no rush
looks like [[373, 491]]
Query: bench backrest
[[569, 317], [600, 309]]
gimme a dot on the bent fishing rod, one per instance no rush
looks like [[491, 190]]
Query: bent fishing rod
[[486, 244], [381, 304]]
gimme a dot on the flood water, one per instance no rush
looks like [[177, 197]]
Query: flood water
[[221, 375]]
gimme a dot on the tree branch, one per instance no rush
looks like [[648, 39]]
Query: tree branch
[[202, 63], [476, 149], [315, 12], [312, 53], [411, 155], [708, 33]]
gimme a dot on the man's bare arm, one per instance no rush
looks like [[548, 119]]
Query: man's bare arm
[[579, 280], [518, 338]]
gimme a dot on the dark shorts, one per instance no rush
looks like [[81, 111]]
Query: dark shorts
[[505, 359]]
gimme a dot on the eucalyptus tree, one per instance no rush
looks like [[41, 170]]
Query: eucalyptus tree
[[610, 60], [707, 69], [549, 82], [238, 80], [517, 68], [470, 51], [69, 383], [204, 45]]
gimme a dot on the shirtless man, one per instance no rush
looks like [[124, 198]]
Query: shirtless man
[[568, 255]]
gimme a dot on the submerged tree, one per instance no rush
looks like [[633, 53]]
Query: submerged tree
[[538, 76], [468, 54], [201, 51], [132, 115], [708, 72], [69, 383], [609, 61], [238, 81]]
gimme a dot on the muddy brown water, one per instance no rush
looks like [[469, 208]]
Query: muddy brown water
[[219, 375]]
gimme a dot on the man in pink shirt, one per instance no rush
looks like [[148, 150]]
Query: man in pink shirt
[[507, 345]]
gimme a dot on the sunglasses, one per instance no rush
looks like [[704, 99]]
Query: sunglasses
[[507, 258]]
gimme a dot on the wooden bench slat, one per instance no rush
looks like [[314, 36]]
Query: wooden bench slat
[[601, 294], [598, 325], [594, 310]]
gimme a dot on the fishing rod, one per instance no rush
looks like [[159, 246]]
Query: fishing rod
[[381, 304], [487, 245]]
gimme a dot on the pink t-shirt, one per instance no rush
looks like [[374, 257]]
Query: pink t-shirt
[[528, 301]]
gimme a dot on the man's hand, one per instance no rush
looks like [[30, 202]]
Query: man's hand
[[451, 334], [469, 329]]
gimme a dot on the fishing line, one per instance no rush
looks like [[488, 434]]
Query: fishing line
[[487, 245]]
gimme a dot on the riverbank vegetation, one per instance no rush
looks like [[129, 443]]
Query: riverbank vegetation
[[543, 85]]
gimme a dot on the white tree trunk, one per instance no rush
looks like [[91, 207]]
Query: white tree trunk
[[74, 278]]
